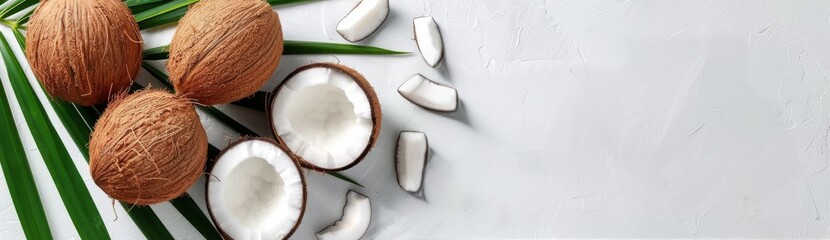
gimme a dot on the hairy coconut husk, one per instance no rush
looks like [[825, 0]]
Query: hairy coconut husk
[[148, 147], [84, 51], [225, 50]]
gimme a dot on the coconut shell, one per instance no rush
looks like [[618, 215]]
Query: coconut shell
[[84, 51], [225, 50], [374, 103], [148, 147]]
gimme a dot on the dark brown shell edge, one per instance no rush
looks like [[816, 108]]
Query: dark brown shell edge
[[282, 148], [373, 103]]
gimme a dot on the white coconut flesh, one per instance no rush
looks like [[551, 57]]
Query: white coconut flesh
[[410, 158], [255, 191], [323, 116], [429, 40], [363, 20], [357, 214], [428, 94]]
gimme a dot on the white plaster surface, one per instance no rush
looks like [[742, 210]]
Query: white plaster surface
[[610, 119]]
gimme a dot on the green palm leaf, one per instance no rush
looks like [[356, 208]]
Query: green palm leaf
[[162, 9], [157, 53], [15, 7], [195, 216], [170, 12], [291, 47], [213, 111], [258, 101], [302, 47], [78, 121], [19, 177], [23, 19], [71, 187]]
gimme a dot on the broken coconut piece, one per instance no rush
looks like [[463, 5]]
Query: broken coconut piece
[[327, 114], [357, 214], [363, 20], [428, 39], [410, 158], [256, 191], [428, 94]]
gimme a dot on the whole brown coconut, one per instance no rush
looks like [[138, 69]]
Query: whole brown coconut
[[225, 50], [148, 147], [84, 51]]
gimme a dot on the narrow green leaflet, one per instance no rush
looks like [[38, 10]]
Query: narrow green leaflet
[[303, 47], [296, 48], [15, 7], [164, 79], [19, 177], [163, 15], [137, 6], [225, 118], [162, 9], [133, 3], [169, 17], [70, 185], [258, 101], [190, 210], [157, 53], [25, 18]]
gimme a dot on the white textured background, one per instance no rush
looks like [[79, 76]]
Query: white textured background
[[578, 119]]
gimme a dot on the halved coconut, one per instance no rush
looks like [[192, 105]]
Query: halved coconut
[[363, 20], [327, 114], [357, 214], [410, 158], [428, 94], [256, 191], [428, 39]]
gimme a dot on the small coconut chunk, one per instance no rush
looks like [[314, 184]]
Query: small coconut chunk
[[256, 191], [363, 20], [355, 220], [429, 40], [327, 114], [410, 158], [428, 94]]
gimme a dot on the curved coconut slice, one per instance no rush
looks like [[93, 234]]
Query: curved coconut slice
[[410, 159], [428, 94], [357, 214], [363, 20], [256, 191], [429, 40], [327, 114]]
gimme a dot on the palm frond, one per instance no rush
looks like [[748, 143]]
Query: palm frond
[[213, 111], [168, 13], [304, 47], [195, 216], [162, 9], [258, 101], [15, 7], [68, 181], [19, 178], [292, 47]]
